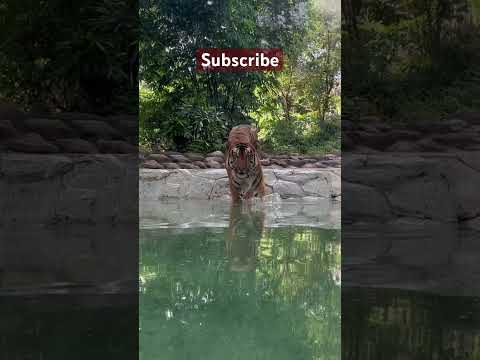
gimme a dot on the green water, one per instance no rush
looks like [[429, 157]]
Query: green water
[[245, 292]]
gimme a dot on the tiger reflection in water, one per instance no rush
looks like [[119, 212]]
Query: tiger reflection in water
[[244, 234]]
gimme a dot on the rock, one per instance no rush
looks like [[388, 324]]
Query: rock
[[364, 203], [116, 147], [296, 162], [456, 139], [216, 154], [76, 146], [404, 146], [332, 163], [213, 165], [20, 167], [280, 162], [320, 164], [172, 153], [126, 126], [287, 189], [430, 145], [214, 158], [186, 166], [49, 128], [152, 164], [310, 160], [200, 164], [265, 162], [96, 129], [160, 158], [31, 143], [7, 129], [194, 156], [171, 166], [309, 166], [178, 158]]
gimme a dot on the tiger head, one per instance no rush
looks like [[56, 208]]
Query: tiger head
[[242, 156]]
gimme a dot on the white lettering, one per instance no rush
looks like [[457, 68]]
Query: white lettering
[[205, 57]]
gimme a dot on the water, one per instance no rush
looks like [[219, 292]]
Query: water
[[244, 291], [399, 324]]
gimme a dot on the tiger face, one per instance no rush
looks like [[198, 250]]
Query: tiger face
[[242, 160]]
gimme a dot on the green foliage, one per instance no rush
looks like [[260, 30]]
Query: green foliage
[[191, 110], [402, 56], [69, 56]]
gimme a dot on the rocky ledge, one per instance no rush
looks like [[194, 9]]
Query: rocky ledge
[[215, 160], [74, 133], [458, 132], [160, 184]]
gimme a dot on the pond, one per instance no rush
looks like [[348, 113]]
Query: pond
[[239, 283], [401, 324]]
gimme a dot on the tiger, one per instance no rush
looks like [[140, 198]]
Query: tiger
[[242, 162], [245, 232]]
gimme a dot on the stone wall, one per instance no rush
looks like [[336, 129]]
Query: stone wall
[[411, 220], [213, 184], [79, 133], [215, 160], [68, 223]]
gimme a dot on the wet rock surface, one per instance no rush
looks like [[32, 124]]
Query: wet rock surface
[[210, 184]]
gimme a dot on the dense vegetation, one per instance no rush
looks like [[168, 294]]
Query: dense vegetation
[[295, 110], [67, 56], [411, 59]]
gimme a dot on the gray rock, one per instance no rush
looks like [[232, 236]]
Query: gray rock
[[280, 162], [186, 166], [296, 162], [178, 158], [49, 128], [213, 165], [200, 164], [171, 166], [404, 146], [152, 164], [96, 129], [364, 203], [214, 158], [194, 156], [116, 147], [78, 146], [160, 158], [32, 143], [287, 189], [216, 154]]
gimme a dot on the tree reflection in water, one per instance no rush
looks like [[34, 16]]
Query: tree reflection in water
[[246, 292]]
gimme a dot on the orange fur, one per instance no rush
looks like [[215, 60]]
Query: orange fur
[[246, 135]]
